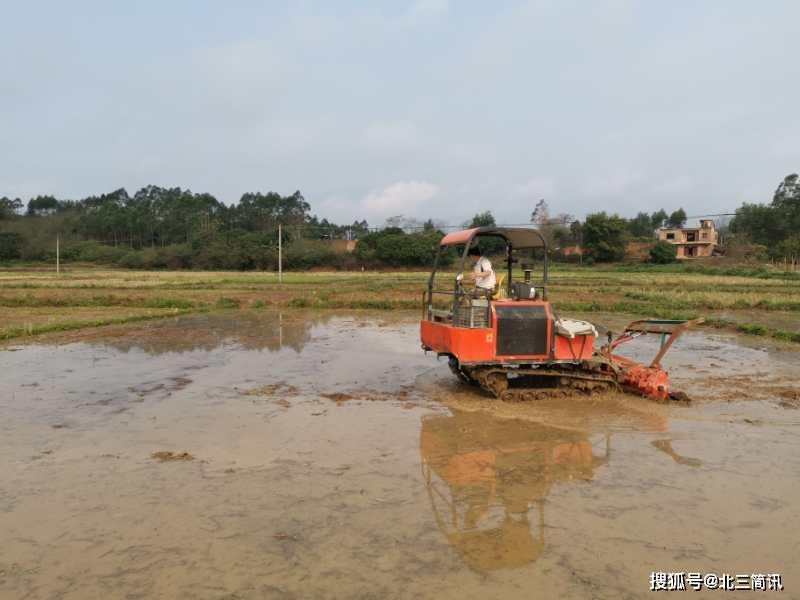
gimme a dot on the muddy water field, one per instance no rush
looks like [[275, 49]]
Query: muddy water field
[[259, 454]]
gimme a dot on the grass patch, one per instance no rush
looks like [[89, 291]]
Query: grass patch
[[754, 329], [757, 271], [299, 302], [786, 336], [31, 330], [353, 303], [30, 301], [224, 302]]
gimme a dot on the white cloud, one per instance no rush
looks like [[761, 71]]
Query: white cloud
[[402, 197]]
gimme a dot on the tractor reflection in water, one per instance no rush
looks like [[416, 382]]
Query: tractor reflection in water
[[484, 476]]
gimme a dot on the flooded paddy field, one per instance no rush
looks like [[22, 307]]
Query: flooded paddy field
[[260, 454]]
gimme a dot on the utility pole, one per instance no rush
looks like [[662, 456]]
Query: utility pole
[[280, 253], [58, 254]]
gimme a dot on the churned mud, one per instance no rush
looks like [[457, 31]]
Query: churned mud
[[335, 460]]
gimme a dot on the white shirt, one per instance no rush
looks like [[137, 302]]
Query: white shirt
[[482, 266]]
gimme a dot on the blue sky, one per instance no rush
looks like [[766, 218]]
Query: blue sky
[[425, 108]]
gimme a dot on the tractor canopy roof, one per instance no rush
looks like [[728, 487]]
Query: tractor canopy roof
[[520, 237]]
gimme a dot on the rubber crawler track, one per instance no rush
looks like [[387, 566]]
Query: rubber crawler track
[[528, 384]]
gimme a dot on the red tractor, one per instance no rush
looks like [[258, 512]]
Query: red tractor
[[509, 339]]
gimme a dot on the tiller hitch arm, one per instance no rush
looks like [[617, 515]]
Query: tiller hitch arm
[[649, 380]]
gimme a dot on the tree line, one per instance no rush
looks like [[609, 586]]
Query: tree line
[[175, 228], [169, 228], [774, 228], [156, 216]]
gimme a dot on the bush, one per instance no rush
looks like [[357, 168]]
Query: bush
[[740, 248], [94, 252], [132, 260], [240, 252], [33, 251], [304, 254], [178, 256], [216, 255], [788, 249], [394, 248], [225, 302], [10, 245], [663, 253]]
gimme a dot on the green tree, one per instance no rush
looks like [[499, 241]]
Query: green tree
[[359, 228], [760, 223], [259, 212], [484, 219], [772, 225], [789, 248], [562, 236], [641, 226], [605, 237], [663, 253], [786, 202], [559, 231], [677, 219], [43, 205], [576, 233], [103, 217], [658, 218], [9, 208], [490, 246], [10, 245], [788, 190]]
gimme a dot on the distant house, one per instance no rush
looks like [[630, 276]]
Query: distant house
[[572, 251], [638, 251], [342, 246], [692, 242]]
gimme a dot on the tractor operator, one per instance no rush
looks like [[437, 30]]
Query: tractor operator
[[482, 273]]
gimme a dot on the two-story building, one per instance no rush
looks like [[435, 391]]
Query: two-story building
[[692, 242]]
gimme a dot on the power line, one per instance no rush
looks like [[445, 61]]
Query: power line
[[712, 215]]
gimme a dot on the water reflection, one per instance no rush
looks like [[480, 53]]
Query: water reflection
[[249, 330], [487, 479]]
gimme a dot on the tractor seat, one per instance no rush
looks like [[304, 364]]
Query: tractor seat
[[570, 328], [500, 288]]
